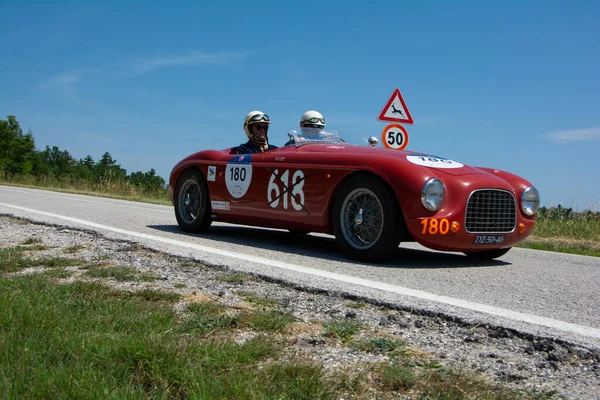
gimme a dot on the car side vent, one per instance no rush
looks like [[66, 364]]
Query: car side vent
[[491, 211]]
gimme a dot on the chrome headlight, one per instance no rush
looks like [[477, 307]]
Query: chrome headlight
[[530, 201], [432, 196]]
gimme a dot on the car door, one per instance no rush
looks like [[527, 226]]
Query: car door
[[293, 190]]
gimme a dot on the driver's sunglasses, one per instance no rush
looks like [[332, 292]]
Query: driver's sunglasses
[[314, 126], [260, 117], [315, 120], [260, 127]]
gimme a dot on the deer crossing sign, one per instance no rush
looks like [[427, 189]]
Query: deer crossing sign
[[395, 110]]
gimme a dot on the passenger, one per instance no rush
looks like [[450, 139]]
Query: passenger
[[310, 121], [256, 126]]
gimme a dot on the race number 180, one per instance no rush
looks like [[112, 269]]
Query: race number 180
[[433, 226]]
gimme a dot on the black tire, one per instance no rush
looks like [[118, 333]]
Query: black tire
[[487, 254], [367, 219], [192, 202]]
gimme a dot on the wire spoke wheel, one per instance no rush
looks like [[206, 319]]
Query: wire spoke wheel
[[363, 220], [192, 208], [367, 218], [190, 201]]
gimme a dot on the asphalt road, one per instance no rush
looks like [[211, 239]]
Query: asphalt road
[[537, 292]]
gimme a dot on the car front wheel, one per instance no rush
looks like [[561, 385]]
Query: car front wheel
[[367, 219], [192, 206]]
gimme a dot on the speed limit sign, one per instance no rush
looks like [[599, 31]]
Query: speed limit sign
[[395, 137]]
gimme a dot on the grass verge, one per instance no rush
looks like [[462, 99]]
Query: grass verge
[[88, 340]]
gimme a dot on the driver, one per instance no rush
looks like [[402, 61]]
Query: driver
[[256, 126]]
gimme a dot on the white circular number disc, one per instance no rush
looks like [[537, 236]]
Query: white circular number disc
[[238, 178], [432, 161]]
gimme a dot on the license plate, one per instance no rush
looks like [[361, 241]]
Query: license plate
[[488, 239]]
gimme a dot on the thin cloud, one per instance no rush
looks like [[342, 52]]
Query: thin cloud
[[575, 135], [192, 58], [59, 81], [64, 84]]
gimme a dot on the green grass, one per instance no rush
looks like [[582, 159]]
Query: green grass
[[87, 340], [252, 298], [57, 273], [452, 384], [571, 229], [32, 240], [74, 249], [399, 377], [268, 320], [209, 318], [154, 295], [35, 247], [381, 345], [54, 262], [432, 381], [33, 244], [565, 236], [562, 247], [13, 259], [342, 329], [119, 273]]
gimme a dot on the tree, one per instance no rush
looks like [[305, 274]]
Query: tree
[[17, 150], [56, 162], [148, 180], [85, 169], [137, 179], [154, 181], [108, 169]]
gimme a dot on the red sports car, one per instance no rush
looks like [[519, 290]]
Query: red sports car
[[371, 198]]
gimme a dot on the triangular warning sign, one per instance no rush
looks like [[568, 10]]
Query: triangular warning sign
[[395, 110]]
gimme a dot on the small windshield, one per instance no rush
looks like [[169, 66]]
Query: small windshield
[[312, 135]]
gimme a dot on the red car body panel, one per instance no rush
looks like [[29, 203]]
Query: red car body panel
[[317, 170]]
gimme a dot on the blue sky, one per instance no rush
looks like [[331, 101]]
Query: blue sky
[[511, 85]]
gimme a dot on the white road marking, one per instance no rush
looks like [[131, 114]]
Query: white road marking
[[484, 308], [91, 201]]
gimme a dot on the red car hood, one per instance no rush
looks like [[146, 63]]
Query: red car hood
[[438, 164]]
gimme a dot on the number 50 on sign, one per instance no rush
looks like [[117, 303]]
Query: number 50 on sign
[[395, 137]]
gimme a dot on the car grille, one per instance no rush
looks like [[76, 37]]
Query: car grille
[[491, 211]]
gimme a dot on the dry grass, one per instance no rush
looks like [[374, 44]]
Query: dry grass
[[565, 242]]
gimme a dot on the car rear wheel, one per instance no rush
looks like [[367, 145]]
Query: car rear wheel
[[367, 220], [487, 254], [192, 205]]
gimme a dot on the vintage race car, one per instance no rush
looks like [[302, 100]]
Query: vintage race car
[[371, 198]]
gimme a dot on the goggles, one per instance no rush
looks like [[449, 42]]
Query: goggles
[[259, 118], [314, 126], [314, 120]]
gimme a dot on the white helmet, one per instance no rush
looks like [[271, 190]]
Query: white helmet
[[254, 117], [313, 119]]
